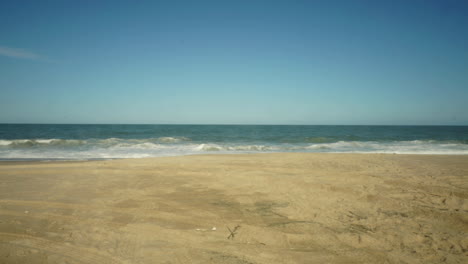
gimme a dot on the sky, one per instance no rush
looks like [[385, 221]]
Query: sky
[[234, 62]]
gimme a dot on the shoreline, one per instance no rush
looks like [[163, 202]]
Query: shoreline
[[59, 160], [291, 208]]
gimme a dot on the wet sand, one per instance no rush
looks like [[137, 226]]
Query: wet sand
[[291, 208]]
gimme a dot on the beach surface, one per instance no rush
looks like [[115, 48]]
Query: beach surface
[[288, 208]]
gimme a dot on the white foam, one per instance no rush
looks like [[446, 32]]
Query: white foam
[[260, 148], [145, 145], [39, 142], [399, 147], [109, 141], [139, 148], [209, 147], [5, 142], [172, 139]]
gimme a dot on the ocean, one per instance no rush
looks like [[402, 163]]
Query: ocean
[[88, 142]]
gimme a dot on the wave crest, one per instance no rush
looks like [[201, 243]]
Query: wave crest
[[172, 139], [41, 142], [176, 146]]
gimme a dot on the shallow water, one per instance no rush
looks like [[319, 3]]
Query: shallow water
[[21, 141]]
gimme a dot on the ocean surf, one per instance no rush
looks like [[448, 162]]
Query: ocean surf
[[83, 142]]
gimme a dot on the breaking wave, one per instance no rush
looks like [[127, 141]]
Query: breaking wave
[[111, 148], [75, 142], [397, 147], [40, 142]]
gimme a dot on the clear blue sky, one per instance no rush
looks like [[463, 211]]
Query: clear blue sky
[[234, 62]]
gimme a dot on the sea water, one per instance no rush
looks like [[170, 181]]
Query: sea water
[[78, 142]]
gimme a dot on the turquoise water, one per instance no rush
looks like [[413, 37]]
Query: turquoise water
[[18, 142]]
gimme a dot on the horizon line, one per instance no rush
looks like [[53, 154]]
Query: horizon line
[[232, 124]]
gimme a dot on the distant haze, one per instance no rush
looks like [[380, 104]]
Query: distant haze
[[234, 62]]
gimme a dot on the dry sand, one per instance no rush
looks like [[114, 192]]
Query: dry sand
[[291, 208]]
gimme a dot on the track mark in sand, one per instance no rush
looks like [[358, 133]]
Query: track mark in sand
[[44, 204], [65, 218], [77, 255], [223, 257], [149, 208]]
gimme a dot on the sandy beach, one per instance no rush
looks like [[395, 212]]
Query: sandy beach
[[289, 208]]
